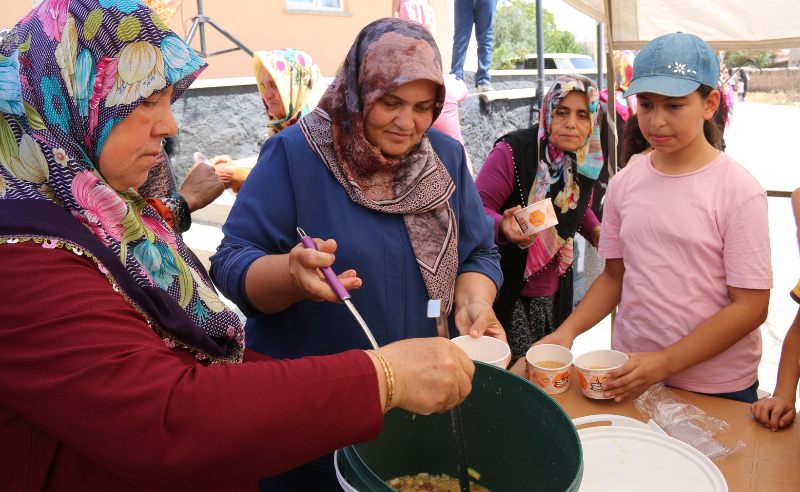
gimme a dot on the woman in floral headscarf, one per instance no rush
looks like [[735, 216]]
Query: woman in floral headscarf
[[366, 169], [559, 159], [121, 367], [290, 85]]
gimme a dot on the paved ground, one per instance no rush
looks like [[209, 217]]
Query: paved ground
[[757, 131]]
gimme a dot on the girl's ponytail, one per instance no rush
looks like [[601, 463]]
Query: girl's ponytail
[[711, 129]]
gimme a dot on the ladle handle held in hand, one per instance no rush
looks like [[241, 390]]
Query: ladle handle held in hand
[[327, 272]]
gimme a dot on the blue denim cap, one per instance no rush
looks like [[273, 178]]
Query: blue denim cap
[[674, 65]]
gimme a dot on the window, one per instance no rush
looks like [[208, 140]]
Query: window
[[330, 5]]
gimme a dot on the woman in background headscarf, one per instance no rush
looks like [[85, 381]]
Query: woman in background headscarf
[[121, 369], [290, 85], [366, 169], [560, 159]]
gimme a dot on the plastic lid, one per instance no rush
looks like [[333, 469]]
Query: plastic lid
[[629, 459]]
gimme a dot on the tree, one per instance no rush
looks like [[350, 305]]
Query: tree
[[515, 34], [735, 59]]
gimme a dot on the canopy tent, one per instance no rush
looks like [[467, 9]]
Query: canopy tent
[[724, 24]]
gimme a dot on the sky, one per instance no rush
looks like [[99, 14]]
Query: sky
[[568, 19]]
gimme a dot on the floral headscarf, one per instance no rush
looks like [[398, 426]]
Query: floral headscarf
[[70, 71], [387, 54], [565, 177], [299, 83]]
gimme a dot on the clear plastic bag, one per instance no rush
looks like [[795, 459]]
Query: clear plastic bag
[[685, 422]]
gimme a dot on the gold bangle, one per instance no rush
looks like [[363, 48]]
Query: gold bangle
[[387, 371]]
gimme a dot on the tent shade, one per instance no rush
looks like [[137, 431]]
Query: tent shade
[[724, 24]]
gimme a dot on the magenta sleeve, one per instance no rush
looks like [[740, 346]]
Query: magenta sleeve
[[495, 183]]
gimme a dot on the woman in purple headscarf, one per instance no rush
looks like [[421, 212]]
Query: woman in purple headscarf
[[121, 367]]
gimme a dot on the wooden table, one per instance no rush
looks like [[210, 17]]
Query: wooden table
[[770, 461]]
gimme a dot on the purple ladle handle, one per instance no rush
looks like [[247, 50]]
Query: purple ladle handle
[[327, 272]]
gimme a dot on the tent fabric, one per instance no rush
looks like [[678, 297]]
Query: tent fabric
[[724, 24]]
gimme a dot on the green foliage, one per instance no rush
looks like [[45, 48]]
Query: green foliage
[[735, 59], [515, 34]]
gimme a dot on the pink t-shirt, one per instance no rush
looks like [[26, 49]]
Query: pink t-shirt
[[684, 239], [448, 121]]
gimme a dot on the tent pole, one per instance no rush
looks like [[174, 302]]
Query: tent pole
[[599, 55], [539, 55]]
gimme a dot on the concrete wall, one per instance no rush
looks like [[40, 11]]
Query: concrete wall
[[774, 79], [217, 120]]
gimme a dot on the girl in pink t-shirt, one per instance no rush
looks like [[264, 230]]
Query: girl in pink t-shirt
[[686, 241]]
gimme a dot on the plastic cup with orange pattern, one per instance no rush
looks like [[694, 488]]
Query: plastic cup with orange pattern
[[548, 367], [592, 369], [537, 217]]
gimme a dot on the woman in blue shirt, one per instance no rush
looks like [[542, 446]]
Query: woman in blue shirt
[[365, 169]]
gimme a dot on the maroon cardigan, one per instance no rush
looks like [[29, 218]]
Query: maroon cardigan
[[92, 399]]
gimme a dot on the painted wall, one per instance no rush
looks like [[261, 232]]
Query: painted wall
[[264, 25]]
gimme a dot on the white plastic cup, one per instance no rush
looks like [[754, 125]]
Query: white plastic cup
[[536, 217], [485, 349], [552, 381], [592, 379]]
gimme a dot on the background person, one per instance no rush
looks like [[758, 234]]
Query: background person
[[481, 14], [121, 368], [691, 280], [778, 411], [365, 169], [558, 159], [290, 85], [415, 10]]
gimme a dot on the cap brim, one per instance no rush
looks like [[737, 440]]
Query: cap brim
[[662, 84]]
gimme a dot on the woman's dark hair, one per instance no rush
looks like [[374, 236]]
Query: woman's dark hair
[[711, 129], [633, 142]]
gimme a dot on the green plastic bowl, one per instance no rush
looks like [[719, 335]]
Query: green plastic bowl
[[517, 438]]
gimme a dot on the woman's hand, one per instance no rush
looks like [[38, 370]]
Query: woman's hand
[[430, 374], [640, 372], [776, 412], [477, 319], [304, 265], [225, 167], [201, 186], [509, 227], [596, 236]]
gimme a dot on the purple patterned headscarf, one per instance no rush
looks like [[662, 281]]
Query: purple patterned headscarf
[[70, 71]]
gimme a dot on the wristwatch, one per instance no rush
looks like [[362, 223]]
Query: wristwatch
[[180, 213]]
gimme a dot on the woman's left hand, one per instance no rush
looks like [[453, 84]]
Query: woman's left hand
[[477, 319], [642, 371], [596, 236]]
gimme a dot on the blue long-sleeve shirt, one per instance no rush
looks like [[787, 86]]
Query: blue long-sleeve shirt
[[290, 187]]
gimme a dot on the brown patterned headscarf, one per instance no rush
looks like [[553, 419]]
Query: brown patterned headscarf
[[386, 54]]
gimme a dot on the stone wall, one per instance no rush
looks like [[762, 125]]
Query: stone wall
[[774, 79], [231, 120], [217, 120], [483, 122]]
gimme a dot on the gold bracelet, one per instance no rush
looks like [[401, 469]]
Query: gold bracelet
[[387, 371]]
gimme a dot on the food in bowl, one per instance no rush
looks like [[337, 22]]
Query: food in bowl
[[599, 367], [549, 364], [430, 483]]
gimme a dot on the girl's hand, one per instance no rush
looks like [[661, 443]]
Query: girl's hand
[[639, 373], [558, 337], [225, 168], [509, 227], [775, 413], [478, 319], [304, 265]]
